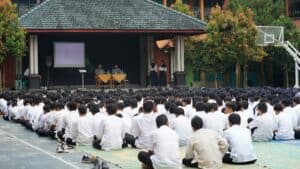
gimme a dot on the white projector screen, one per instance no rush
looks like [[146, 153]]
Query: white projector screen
[[69, 54]]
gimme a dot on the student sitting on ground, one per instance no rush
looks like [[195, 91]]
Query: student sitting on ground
[[214, 120], [181, 125], [111, 131], [164, 149], [82, 128], [284, 124], [66, 126], [142, 126], [241, 150], [263, 125], [205, 149], [43, 129]]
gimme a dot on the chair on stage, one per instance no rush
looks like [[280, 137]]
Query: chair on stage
[[103, 80], [119, 79]]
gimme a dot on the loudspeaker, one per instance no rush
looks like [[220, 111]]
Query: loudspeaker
[[48, 61], [179, 78]]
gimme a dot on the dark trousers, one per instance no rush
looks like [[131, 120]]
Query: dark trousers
[[227, 159], [42, 133], [96, 144], [188, 162], [144, 157], [130, 139], [297, 134]]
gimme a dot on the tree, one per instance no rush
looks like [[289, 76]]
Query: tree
[[231, 38], [12, 37], [271, 13]]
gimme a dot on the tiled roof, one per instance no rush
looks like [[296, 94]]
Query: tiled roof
[[107, 15]]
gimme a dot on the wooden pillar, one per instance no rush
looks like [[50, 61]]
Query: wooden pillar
[[202, 16]]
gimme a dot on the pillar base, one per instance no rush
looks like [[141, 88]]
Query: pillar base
[[179, 79], [34, 81]]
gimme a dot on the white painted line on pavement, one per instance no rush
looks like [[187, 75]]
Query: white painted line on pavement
[[41, 150]]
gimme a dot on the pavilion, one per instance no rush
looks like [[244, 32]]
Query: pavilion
[[123, 32]]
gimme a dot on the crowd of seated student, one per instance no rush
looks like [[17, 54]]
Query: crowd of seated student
[[216, 125]]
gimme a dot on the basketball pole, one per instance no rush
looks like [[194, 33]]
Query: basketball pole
[[287, 46]]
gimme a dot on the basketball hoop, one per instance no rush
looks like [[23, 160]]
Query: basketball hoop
[[270, 35], [274, 35]]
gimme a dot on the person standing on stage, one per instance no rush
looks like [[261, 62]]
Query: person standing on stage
[[153, 74], [162, 74]]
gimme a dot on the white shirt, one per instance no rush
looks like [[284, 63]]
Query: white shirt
[[111, 132], [82, 130], [96, 120], [59, 118], [142, 126], [265, 124], [164, 143], [297, 111], [67, 122], [245, 115], [182, 126], [189, 111], [293, 114], [284, 127], [161, 109], [216, 121], [240, 143], [200, 114]]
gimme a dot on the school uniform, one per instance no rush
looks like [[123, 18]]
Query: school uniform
[[82, 132], [162, 79], [164, 144], [67, 122], [284, 127], [161, 109], [205, 150], [240, 145], [216, 121], [200, 114], [182, 126], [291, 112], [96, 120], [153, 75], [141, 128], [245, 115], [111, 133], [189, 111], [263, 127]]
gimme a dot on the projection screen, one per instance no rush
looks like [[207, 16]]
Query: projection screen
[[69, 54]]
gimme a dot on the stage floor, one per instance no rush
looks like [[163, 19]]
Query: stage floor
[[22, 149]]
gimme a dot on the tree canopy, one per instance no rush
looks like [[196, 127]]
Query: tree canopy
[[12, 37]]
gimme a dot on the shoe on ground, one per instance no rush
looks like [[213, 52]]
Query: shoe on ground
[[86, 159]]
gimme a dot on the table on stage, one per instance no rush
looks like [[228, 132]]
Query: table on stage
[[110, 79]]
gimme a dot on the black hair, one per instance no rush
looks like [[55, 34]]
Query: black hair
[[196, 123], [179, 111], [148, 106], [278, 107], [94, 108], [72, 105], [286, 102], [161, 120], [199, 106], [262, 107], [234, 119], [244, 104], [111, 108], [47, 108], [82, 109]]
